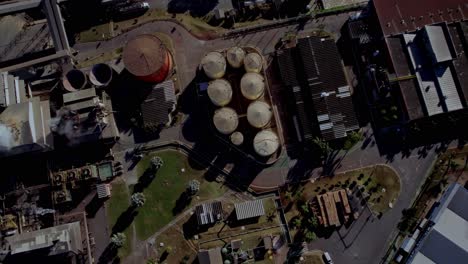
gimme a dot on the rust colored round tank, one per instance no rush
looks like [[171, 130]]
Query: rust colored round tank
[[147, 58]]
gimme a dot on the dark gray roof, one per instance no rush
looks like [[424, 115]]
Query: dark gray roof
[[211, 256], [249, 209], [445, 241], [209, 213], [159, 104], [314, 72]]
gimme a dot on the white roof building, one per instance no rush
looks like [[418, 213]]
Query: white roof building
[[266, 143], [235, 57], [214, 65], [253, 62], [259, 114], [226, 120], [220, 92], [252, 85], [446, 239]]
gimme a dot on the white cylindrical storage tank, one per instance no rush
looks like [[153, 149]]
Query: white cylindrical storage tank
[[253, 62], [226, 120], [220, 92], [74, 80], [214, 65], [237, 138], [259, 114], [266, 143], [101, 74], [235, 57], [252, 85]]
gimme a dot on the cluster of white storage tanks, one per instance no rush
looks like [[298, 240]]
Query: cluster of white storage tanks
[[252, 86]]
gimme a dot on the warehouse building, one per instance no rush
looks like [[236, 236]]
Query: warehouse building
[[426, 44], [249, 209], [313, 72], [445, 240]]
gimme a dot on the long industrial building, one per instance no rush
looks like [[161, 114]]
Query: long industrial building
[[313, 72], [427, 47]]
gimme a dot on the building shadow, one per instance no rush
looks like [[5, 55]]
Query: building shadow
[[196, 8]]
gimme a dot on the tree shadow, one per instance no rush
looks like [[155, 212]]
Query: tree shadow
[[109, 255], [182, 202], [144, 180], [124, 220]]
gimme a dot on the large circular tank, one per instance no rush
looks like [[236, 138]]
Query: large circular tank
[[100, 75], [259, 114], [214, 65], [252, 85], [226, 120], [253, 62], [147, 58], [74, 80], [266, 143], [220, 92], [235, 56], [237, 138]]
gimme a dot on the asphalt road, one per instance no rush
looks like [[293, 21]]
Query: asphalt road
[[367, 239]]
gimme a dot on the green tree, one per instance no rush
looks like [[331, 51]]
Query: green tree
[[118, 239], [193, 187], [305, 208], [313, 221], [138, 199], [310, 236], [297, 222], [323, 146], [156, 163]]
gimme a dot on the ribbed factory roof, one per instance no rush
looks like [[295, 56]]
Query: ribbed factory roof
[[259, 114], [226, 120], [266, 143], [253, 62], [249, 209], [252, 85], [235, 57], [220, 92], [214, 65], [144, 55]]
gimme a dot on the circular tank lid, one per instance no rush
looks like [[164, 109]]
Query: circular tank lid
[[259, 114], [266, 143], [74, 80], [253, 62], [226, 120], [220, 92], [101, 74], [235, 57], [237, 138], [144, 55], [214, 65], [252, 85]]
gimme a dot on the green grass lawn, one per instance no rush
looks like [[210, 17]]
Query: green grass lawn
[[117, 204], [166, 188]]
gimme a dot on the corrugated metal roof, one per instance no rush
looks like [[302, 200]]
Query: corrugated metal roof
[[159, 103], [398, 16], [448, 87], [249, 209], [437, 43], [209, 213]]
